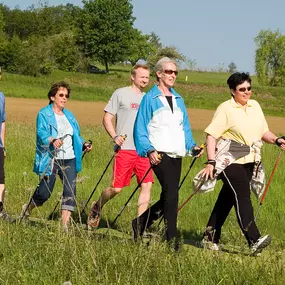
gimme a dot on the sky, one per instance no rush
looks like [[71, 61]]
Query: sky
[[214, 33]]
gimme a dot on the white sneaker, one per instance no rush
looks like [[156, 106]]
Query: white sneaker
[[261, 243], [209, 245]]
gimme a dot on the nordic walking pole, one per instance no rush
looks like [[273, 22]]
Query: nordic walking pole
[[42, 177], [191, 195], [137, 187], [31, 199], [268, 184], [50, 216], [181, 183], [191, 165], [116, 149]]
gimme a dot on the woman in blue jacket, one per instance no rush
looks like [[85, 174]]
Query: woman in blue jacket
[[162, 127], [59, 149]]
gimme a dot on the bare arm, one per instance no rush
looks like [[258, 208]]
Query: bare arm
[[211, 146], [271, 138], [109, 127], [208, 171]]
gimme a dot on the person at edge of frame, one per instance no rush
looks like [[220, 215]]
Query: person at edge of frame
[[59, 148], [3, 214], [241, 120], [162, 127], [123, 105]]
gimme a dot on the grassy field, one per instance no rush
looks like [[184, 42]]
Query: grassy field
[[41, 253], [201, 90]]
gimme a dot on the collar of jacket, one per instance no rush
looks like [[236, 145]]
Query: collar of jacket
[[50, 111], [50, 114], [155, 92]]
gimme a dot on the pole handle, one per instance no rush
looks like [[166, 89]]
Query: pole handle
[[117, 147], [270, 179]]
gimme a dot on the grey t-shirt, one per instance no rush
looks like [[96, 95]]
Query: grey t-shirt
[[124, 104]]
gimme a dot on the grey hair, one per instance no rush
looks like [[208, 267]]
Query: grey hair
[[161, 62]]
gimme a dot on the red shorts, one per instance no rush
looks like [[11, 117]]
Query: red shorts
[[128, 162]]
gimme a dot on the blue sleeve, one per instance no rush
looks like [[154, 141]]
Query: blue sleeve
[[43, 130], [2, 107], [141, 135], [72, 120], [4, 110], [78, 130]]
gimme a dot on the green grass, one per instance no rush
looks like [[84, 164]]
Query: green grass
[[43, 254], [203, 90]]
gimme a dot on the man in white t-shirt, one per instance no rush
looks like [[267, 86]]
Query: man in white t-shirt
[[124, 105]]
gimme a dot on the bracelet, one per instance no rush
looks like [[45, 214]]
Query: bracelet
[[212, 162], [278, 143], [115, 137]]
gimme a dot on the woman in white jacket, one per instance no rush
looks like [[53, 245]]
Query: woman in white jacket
[[162, 127]]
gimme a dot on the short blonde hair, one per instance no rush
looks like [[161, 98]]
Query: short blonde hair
[[136, 66]]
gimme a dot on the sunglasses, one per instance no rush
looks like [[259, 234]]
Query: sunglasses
[[243, 89], [63, 95], [170, 71]]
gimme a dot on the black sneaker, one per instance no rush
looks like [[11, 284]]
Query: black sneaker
[[5, 217], [260, 244]]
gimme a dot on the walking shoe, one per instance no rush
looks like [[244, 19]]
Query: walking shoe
[[261, 243], [209, 245], [5, 217], [94, 216]]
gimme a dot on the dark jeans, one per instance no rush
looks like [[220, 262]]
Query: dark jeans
[[235, 192], [168, 174], [66, 170]]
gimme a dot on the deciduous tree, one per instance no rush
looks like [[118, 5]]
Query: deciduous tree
[[142, 47], [270, 58], [106, 30], [168, 51], [232, 67]]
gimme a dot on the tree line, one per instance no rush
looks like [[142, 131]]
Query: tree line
[[35, 41]]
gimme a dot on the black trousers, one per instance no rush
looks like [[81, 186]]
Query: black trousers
[[168, 174], [235, 192]]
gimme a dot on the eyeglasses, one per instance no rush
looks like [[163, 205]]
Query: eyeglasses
[[63, 95], [243, 89], [170, 71]]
